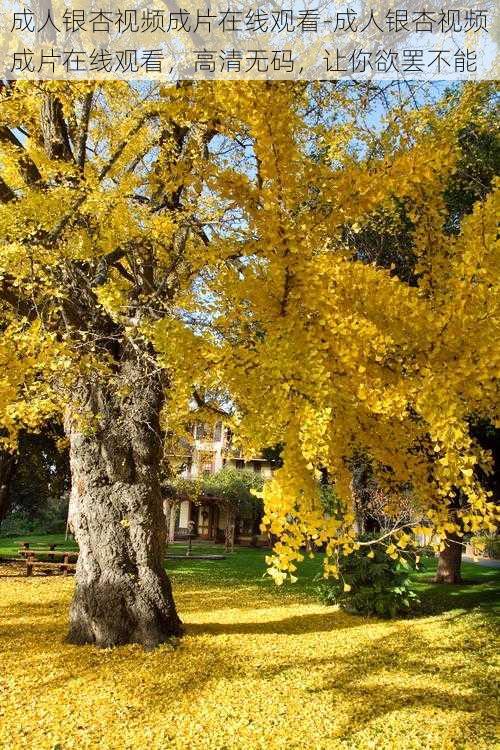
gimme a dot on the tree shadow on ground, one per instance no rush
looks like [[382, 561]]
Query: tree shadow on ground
[[483, 594], [295, 625], [389, 657], [370, 674]]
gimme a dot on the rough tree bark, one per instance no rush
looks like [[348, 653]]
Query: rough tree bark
[[450, 560], [122, 594]]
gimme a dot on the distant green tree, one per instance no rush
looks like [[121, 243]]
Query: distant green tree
[[37, 479], [7, 467], [232, 487], [236, 487]]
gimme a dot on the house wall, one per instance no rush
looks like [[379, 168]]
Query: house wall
[[211, 448]]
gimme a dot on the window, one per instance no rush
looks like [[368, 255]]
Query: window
[[218, 432]]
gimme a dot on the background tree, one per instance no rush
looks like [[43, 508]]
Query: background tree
[[387, 240], [341, 320], [7, 468], [40, 480], [236, 488]]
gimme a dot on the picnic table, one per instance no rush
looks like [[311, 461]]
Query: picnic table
[[48, 558]]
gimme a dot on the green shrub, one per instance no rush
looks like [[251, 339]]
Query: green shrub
[[378, 585], [17, 523], [51, 519]]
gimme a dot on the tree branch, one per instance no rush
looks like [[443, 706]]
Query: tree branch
[[81, 149], [10, 295], [55, 130], [27, 166], [6, 194], [202, 404]]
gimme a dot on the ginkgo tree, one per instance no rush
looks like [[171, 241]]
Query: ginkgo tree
[[164, 243]]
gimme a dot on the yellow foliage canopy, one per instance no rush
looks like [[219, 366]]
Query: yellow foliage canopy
[[207, 228]]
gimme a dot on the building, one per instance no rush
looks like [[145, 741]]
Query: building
[[212, 519]]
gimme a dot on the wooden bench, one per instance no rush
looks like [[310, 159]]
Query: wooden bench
[[66, 563], [26, 545]]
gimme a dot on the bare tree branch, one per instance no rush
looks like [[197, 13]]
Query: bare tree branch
[[81, 148], [27, 166]]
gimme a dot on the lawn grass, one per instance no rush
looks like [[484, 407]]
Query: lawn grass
[[481, 588], [247, 567], [9, 545], [260, 667]]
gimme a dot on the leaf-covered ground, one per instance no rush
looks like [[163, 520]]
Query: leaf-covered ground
[[258, 668]]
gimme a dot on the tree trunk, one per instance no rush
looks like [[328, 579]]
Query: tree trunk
[[171, 522], [230, 529], [122, 594], [450, 560]]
